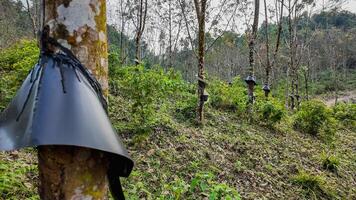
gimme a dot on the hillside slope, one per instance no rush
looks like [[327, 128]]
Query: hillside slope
[[259, 163], [183, 161], [234, 155]]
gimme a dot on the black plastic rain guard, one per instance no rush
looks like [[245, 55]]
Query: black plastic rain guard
[[61, 103], [266, 88], [250, 79]]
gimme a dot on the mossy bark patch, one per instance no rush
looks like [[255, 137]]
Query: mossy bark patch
[[72, 173]]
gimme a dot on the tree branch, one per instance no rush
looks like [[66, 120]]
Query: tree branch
[[187, 27], [232, 15]]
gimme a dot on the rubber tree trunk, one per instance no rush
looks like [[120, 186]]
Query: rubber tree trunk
[[306, 75], [268, 63], [137, 50], [251, 69], [271, 65], [68, 172], [141, 21], [250, 86], [292, 53], [200, 7]]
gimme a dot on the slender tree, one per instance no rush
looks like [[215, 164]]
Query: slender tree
[[170, 32], [200, 8], [202, 47], [140, 8], [251, 80], [270, 63], [123, 14], [296, 47], [170, 22], [293, 45], [33, 16]]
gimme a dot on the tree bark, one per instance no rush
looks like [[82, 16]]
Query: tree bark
[[251, 72], [32, 18], [292, 53], [122, 56], [200, 7], [270, 64], [170, 33], [68, 172], [141, 23], [137, 50]]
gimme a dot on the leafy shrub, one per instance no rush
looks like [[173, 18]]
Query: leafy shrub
[[15, 63], [345, 113], [186, 107], [228, 97], [311, 117], [328, 130], [177, 188], [269, 112], [114, 57], [203, 183], [148, 91], [202, 186]]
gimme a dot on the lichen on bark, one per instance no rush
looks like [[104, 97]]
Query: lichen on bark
[[80, 25]]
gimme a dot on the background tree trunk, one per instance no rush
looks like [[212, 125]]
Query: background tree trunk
[[200, 7], [170, 33], [32, 17], [141, 23], [68, 172], [253, 36], [268, 63]]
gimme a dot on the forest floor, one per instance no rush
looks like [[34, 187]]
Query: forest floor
[[227, 153]]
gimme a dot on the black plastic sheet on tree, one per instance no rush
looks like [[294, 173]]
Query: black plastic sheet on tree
[[60, 103]]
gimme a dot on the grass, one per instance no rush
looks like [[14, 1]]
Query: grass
[[313, 185], [18, 175]]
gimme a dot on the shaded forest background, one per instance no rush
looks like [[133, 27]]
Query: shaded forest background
[[326, 52]]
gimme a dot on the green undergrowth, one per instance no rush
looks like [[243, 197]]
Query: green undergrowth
[[254, 160], [313, 185], [15, 64], [270, 153], [18, 175]]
